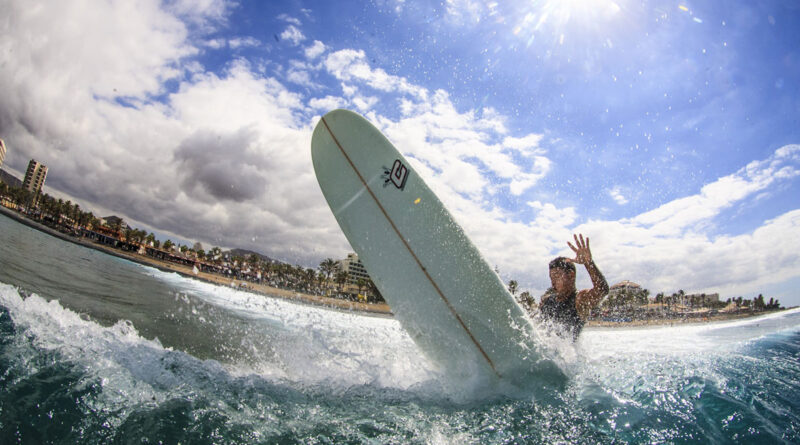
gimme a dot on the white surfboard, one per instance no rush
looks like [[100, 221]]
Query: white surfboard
[[438, 285]]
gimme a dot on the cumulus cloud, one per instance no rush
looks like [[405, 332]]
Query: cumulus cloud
[[327, 103], [464, 149], [617, 196], [289, 19], [300, 77], [244, 42], [293, 35], [215, 43], [217, 167], [350, 65], [315, 50]]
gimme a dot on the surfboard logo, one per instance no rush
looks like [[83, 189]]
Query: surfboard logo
[[397, 175]]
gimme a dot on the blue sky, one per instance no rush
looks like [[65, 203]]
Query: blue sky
[[665, 131]]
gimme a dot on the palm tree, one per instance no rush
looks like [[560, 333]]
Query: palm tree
[[253, 260], [310, 277], [67, 210], [328, 267], [361, 283], [374, 292], [58, 207], [76, 212], [168, 245], [512, 287], [526, 300], [341, 278], [116, 225], [215, 254]]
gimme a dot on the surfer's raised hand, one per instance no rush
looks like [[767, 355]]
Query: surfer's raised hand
[[582, 253], [588, 299]]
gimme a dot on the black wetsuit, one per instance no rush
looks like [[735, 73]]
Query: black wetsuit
[[562, 312]]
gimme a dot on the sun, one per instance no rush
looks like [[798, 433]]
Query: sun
[[562, 16]]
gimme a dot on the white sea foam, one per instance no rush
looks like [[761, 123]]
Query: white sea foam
[[313, 347], [374, 350]]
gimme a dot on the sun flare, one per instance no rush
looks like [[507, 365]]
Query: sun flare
[[558, 15]]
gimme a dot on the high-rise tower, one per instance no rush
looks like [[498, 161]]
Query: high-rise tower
[[34, 178], [2, 152]]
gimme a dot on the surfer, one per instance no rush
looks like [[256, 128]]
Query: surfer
[[562, 303]]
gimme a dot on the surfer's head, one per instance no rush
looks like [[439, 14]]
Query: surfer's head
[[562, 275]]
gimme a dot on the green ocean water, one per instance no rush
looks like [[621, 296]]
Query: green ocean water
[[95, 349]]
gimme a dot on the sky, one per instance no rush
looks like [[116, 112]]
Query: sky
[[667, 132]]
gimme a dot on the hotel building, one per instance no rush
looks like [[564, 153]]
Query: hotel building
[[2, 152], [355, 270], [34, 178]]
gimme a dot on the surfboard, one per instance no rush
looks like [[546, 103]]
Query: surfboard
[[439, 287]]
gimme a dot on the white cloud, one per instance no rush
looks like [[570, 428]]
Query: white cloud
[[244, 42], [462, 147], [135, 48], [617, 196], [299, 77], [199, 12], [528, 144], [550, 216], [364, 103], [293, 35], [289, 19], [315, 50], [350, 65], [327, 103], [215, 43]]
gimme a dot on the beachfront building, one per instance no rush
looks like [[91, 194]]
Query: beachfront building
[[355, 270], [626, 293], [34, 178], [2, 152]]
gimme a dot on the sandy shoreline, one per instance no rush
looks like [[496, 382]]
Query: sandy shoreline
[[380, 309]]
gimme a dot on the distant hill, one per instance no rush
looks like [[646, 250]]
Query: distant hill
[[9, 179], [246, 254]]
